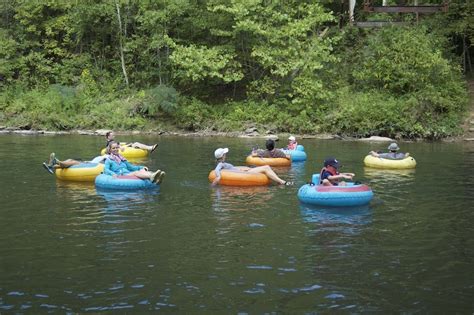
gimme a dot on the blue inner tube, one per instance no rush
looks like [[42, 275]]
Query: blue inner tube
[[335, 196], [297, 155], [123, 182]]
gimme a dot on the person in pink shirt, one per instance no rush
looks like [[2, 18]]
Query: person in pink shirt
[[292, 144]]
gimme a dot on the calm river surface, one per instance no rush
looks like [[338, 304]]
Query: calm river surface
[[192, 248]]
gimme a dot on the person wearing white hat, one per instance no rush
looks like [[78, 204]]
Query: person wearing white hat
[[221, 153], [292, 144], [392, 154]]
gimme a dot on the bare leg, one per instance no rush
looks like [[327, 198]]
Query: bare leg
[[267, 170], [142, 174], [139, 145], [244, 168], [55, 163], [67, 163], [326, 182], [155, 177]]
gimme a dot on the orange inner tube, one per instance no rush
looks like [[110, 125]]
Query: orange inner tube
[[255, 160], [233, 178]]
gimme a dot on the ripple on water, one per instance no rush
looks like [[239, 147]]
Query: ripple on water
[[255, 291], [260, 267], [334, 296]]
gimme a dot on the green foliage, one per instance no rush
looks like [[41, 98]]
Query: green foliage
[[159, 99], [401, 60], [284, 46], [404, 72], [239, 115], [280, 65], [8, 58], [199, 63], [364, 114], [193, 114], [64, 108], [118, 114], [41, 109]]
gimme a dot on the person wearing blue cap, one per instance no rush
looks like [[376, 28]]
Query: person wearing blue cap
[[330, 176], [392, 154]]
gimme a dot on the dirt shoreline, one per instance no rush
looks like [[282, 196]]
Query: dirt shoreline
[[239, 134]]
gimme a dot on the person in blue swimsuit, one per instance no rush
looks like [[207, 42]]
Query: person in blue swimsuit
[[116, 165], [220, 155]]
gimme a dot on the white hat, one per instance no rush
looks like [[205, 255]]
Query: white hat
[[220, 152], [292, 138]]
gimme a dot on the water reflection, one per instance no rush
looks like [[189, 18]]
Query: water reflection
[[392, 176], [228, 198], [297, 171], [76, 191], [390, 186], [77, 205], [343, 219], [235, 207], [126, 200], [122, 213]]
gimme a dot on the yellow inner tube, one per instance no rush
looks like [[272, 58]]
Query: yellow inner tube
[[232, 178], [87, 173], [376, 162], [129, 152], [255, 160]]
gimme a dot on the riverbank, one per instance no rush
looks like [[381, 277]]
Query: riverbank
[[249, 133]]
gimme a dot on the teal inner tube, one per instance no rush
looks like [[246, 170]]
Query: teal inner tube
[[335, 196], [124, 182], [297, 155]]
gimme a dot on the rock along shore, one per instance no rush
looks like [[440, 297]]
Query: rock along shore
[[249, 133]]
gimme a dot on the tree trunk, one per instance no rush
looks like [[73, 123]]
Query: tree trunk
[[122, 59], [352, 4]]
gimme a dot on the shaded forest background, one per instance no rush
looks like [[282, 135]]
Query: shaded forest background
[[226, 65]]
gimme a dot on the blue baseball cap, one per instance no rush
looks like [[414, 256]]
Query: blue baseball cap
[[331, 162]]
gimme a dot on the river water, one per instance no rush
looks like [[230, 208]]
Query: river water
[[192, 248]]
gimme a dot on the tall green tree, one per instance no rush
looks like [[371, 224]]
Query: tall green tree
[[273, 49]]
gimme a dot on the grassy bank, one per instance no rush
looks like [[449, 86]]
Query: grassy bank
[[359, 114]]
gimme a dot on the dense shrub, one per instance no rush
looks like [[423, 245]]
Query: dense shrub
[[193, 114], [161, 98], [363, 114], [399, 82]]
